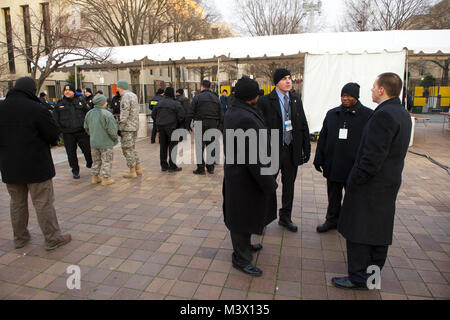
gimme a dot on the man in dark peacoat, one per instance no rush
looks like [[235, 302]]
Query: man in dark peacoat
[[337, 146], [27, 130], [249, 197], [295, 148], [367, 216]]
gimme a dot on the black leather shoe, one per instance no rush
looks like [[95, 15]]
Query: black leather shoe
[[256, 247], [210, 170], [249, 269], [345, 283], [199, 171], [163, 169], [288, 225], [89, 165], [325, 227], [76, 175], [176, 169]]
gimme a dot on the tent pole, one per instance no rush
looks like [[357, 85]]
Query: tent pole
[[142, 81], [218, 77], [76, 78]]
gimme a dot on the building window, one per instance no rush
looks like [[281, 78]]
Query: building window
[[46, 21], [9, 40], [27, 33]]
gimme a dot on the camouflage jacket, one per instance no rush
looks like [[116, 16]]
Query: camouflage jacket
[[129, 112]]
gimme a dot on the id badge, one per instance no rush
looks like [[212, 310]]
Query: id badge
[[343, 134], [288, 125]]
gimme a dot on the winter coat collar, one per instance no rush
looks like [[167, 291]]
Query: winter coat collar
[[352, 110], [25, 93], [395, 100], [242, 105]]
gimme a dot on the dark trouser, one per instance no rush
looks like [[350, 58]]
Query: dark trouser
[[242, 254], [206, 125], [166, 145], [288, 176], [153, 137], [360, 257], [71, 141], [42, 197], [334, 190]]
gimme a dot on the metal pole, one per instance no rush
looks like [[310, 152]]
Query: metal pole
[[218, 76], [142, 82], [76, 78]]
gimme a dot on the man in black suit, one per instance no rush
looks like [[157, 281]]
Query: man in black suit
[[367, 217], [284, 111]]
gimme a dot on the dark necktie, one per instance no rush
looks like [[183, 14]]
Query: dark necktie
[[287, 134]]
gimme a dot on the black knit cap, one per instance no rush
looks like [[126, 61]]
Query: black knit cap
[[246, 89], [280, 74], [169, 92], [180, 91], [351, 88], [26, 84], [88, 90], [70, 87]]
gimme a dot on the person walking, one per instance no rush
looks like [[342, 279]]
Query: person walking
[[27, 130]]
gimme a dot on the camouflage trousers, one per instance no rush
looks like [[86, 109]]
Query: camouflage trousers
[[128, 141], [102, 160]]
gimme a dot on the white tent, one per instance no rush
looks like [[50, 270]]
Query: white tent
[[331, 58]]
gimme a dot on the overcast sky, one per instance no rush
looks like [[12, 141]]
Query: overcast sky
[[331, 12]]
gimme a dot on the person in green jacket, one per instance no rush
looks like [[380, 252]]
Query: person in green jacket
[[102, 129]]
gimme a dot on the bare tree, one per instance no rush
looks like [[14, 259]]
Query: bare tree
[[125, 22], [51, 44], [365, 15], [270, 17], [358, 15]]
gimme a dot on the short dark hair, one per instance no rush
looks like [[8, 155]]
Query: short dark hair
[[42, 94], [224, 90], [206, 84], [391, 82]]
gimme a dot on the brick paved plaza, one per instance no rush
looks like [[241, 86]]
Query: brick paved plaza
[[162, 236]]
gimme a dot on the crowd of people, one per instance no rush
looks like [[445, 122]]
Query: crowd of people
[[359, 150]]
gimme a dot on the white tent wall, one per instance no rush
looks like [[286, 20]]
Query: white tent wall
[[326, 74]]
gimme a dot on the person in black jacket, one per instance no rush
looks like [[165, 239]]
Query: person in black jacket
[[153, 103], [284, 111], [43, 100], [167, 115], [367, 217], [115, 105], [337, 146], [184, 101], [206, 108], [27, 130], [249, 196], [69, 115], [88, 96]]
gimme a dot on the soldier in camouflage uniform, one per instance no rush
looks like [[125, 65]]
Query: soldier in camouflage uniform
[[128, 127], [102, 129]]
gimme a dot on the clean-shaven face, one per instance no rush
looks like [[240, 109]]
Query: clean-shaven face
[[285, 84]]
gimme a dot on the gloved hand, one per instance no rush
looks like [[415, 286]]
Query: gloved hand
[[119, 133], [318, 167]]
